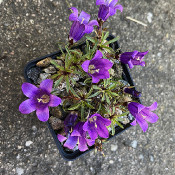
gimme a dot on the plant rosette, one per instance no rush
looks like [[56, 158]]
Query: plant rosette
[[87, 88]]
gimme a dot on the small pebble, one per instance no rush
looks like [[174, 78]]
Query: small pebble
[[111, 161], [149, 17], [19, 171], [134, 143], [114, 147], [151, 158], [141, 157], [34, 128], [1, 1], [28, 143]]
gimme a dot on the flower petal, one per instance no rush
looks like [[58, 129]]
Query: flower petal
[[119, 7], [47, 85], [27, 106], [102, 130], [153, 107], [74, 15], [105, 121], [82, 146], [61, 138], [84, 17], [100, 2], [88, 29], [135, 108], [149, 116], [71, 142], [29, 90], [98, 54], [90, 128], [134, 122], [95, 79], [111, 3], [54, 101], [90, 142], [43, 114], [143, 124], [85, 65], [103, 12]]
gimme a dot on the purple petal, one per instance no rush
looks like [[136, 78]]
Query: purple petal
[[90, 142], [102, 74], [134, 107], [43, 114], [111, 3], [88, 29], [47, 85], [142, 63], [85, 65], [143, 124], [142, 54], [98, 54], [90, 128], [29, 90], [93, 23], [78, 129], [102, 130], [153, 107], [84, 17], [27, 106], [149, 116], [95, 79], [103, 12], [82, 146], [134, 122], [134, 53], [71, 142], [130, 64], [119, 7], [74, 15], [54, 101], [105, 121], [112, 11], [61, 138], [100, 2], [100, 63]]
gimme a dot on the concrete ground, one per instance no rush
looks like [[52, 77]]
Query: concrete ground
[[33, 28]]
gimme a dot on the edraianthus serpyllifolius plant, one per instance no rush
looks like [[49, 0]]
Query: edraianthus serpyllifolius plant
[[94, 96]]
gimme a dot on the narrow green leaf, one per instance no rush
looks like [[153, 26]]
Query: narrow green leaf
[[73, 81], [67, 49], [114, 94], [95, 94], [119, 124], [113, 128], [90, 91], [89, 105], [96, 87], [111, 41], [73, 92], [75, 106], [107, 99], [56, 65], [57, 82], [54, 76], [82, 112], [103, 97], [76, 52], [99, 108], [67, 84], [88, 80], [106, 35], [61, 50], [112, 86], [91, 39]]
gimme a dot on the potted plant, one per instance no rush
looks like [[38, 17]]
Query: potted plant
[[86, 87]]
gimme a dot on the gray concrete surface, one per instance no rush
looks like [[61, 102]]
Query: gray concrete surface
[[32, 28]]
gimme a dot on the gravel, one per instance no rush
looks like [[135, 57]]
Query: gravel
[[34, 28]]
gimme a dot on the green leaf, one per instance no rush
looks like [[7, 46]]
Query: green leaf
[[106, 35], [67, 84], [112, 86], [56, 65], [88, 80], [96, 87], [73, 81], [107, 99], [67, 49], [103, 97], [90, 91], [54, 76], [89, 105], [111, 41], [73, 92], [82, 112], [76, 52], [118, 123], [95, 94], [114, 94], [99, 108], [113, 128], [61, 50], [91, 39], [75, 106], [57, 82]]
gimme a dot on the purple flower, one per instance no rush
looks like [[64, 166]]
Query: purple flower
[[133, 58], [107, 8], [143, 114], [97, 68], [69, 122], [96, 125], [39, 99], [133, 92], [78, 136], [80, 25]]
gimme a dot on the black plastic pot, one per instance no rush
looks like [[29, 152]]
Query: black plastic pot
[[126, 76]]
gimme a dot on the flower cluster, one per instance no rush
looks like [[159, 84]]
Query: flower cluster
[[87, 85]]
